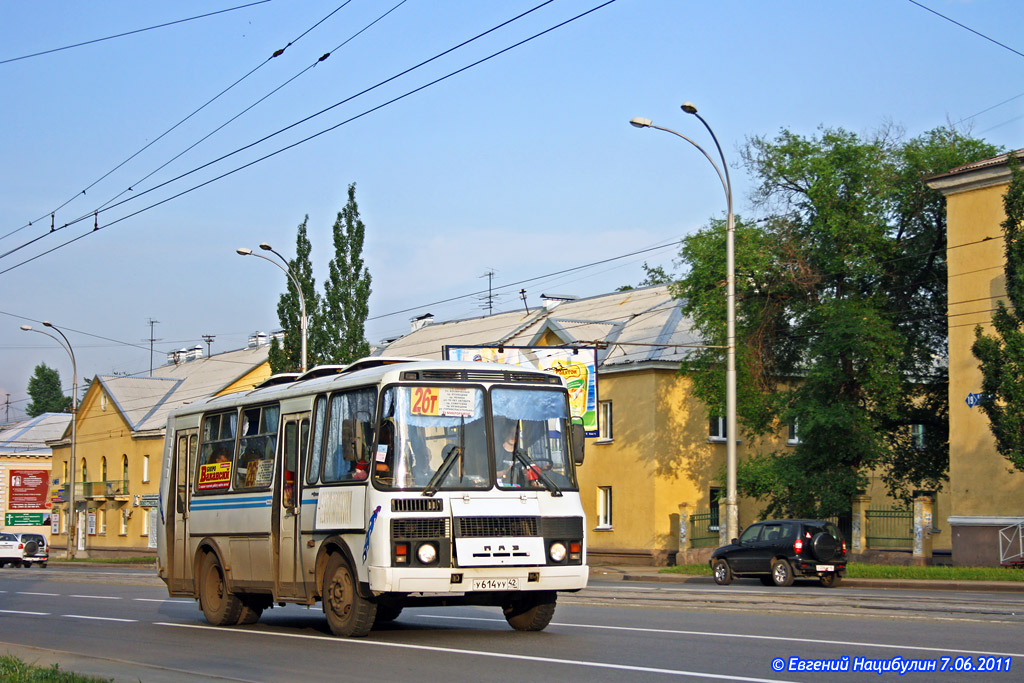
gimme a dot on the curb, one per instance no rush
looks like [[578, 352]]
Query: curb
[[915, 584]]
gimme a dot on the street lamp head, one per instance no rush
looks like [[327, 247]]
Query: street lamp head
[[242, 251], [689, 107], [640, 122], [266, 247], [47, 323], [27, 328]]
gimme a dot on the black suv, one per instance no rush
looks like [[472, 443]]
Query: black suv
[[778, 551]]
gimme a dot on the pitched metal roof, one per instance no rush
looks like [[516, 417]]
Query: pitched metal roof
[[638, 326], [29, 438]]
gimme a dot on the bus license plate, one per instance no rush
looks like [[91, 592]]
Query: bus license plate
[[495, 584], [826, 568]]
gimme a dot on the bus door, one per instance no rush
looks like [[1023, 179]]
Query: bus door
[[289, 572], [180, 563]]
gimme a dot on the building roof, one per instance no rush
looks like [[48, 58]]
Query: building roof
[[145, 401], [975, 175], [636, 326], [28, 438]]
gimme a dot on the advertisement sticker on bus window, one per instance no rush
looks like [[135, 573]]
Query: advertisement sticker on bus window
[[443, 401], [216, 475], [259, 473], [382, 452]]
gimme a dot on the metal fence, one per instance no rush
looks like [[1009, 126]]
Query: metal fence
[[704, 529], [889, 528]]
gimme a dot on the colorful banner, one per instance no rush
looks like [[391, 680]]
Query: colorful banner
[[578, 367], [26, 519], [30, 490], [216, 475]]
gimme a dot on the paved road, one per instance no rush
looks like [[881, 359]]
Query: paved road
[[120, 623]]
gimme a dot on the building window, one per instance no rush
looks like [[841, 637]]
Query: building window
[[917, 436], [103, 468], [716, 429], [604, 507], [145, 522], [794, 433], [124, 522], [604, 427], [85, 472], [101, 521], [145, 468]]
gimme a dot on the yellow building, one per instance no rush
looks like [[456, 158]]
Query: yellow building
[[25, 473], [119, 448], [986, 493]]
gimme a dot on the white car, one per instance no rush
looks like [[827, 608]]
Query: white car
[[11, 550], [34, 549]]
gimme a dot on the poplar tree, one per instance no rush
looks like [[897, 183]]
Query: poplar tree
[[287, 357], [45, 391], [1001, 354], [340, 331]]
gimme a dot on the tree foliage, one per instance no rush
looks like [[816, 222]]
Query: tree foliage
[[840, 314], [1001, 354], [46, 393], [287, 356], [341, 328]]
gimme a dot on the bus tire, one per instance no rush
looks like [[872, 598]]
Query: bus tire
[[348, 613], [386, 613], [252, 610], [531, 611], [220, 607]]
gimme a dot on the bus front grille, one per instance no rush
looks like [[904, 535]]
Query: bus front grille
[[496, 527], [412, 529]]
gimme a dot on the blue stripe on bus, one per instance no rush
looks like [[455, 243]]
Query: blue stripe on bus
[[222, 504]]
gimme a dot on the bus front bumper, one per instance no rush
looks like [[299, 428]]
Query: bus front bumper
[[462, 580]]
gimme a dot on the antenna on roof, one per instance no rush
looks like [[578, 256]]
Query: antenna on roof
[[151, 340], [522, 295]]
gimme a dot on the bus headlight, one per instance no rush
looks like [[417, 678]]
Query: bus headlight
[[427, 553], [557, 551]]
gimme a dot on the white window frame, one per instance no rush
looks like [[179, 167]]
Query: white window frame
[[145, 469], [917, 436], [793, 437], [716, 430], [604, 508], [605, 432]]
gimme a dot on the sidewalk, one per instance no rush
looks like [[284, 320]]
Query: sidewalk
[[652, 574]]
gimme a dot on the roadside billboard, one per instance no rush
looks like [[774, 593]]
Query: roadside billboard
[[578, 366], [29, 490]]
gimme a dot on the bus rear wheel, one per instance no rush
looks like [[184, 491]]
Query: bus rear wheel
[[531, 611], [348, 613], [220, 607]]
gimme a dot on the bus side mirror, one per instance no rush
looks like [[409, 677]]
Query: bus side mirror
[[579, 439]]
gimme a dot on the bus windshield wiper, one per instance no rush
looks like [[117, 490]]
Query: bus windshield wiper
[[530, 466], [454, 453]]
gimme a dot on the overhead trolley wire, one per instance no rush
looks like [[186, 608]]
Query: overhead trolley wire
[[129, 33], [277, 53], [98, 227]]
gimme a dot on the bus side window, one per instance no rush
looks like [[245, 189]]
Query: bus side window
[[315, 453]]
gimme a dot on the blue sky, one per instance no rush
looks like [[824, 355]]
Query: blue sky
[[524, 164]]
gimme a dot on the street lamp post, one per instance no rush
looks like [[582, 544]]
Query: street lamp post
[[304, 322], [72, 526], [731, 529]]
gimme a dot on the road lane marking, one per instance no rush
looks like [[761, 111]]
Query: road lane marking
[[182, 601], [844, 643], [493, 655], [49, 595], [96, 597], [86, 616], [18, 611]]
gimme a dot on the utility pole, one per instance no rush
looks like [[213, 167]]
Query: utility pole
[[522, 295], [151, 340], [208, 338]]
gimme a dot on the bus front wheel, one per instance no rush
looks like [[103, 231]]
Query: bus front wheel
[[348, 613], [531, 611], [220, 607]]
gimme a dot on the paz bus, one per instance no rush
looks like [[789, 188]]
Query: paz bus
[[376, 486]]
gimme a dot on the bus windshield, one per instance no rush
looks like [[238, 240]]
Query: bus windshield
[[432, 438], [437, 438]]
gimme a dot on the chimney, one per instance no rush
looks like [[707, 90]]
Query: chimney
[[422, 321]]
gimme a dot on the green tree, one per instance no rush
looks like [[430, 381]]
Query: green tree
[[287, 357], [840, 314], [341, 329], [1001, 354], [656, 275], [45, 391]]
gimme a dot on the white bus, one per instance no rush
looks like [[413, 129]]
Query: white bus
[[384, 484]]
